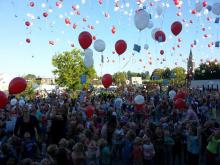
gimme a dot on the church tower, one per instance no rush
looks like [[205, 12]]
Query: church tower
[[190, 67]]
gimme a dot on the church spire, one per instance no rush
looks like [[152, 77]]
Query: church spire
[[190, 54]]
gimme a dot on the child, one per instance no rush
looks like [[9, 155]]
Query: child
[[213, 147], [78, 156], [193, 146], [138, 151], [168, 143], [105, 158], [29, 147], [148, 151], [91, 153]]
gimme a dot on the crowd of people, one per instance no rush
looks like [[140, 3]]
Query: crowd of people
[[57, 130]]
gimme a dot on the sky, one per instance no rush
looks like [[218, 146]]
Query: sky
[[18, 57]]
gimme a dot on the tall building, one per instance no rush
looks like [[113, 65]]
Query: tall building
[[190, 67]]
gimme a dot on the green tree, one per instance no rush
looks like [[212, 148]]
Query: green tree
[[69, 67], [207, 71], [157, 74], [178, 75], [30, 77], [166, 73], [119, 78]]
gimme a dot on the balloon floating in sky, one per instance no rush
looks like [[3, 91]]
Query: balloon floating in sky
[[28, 40], [107, 80], [153, 32], [17, 85], [216, 8], [113, 30], [176, 28], [160, 36], [85, 39], [120, 46], [67, 21], [45, 14], [99, 45], [199, 6], [27, 23], [31, 4], [88, 59], [141, 19], [161, 52]]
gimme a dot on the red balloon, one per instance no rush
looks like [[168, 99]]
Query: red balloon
[[67, 21], [205, 4], [180, 103], [27, 23], [74, 26], [58, 3], [176, 28], [160, 36], [181, 95], [161, 52], [120, 46], [107, 80], [3, 99], [28, 40], [45, 14], [89, 111], [194, 12], [139, 107], [113, 30], [85, 39], [17, 85], [31, 4]]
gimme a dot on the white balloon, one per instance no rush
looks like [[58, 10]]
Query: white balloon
[[139, 99], [216, 8], [150, 25], [153, 32], [118, 103], [13, 102], [21, 102], [159, 10], [88, 52], [146, 46], [88, 61], [172, 94], [199, 6], [99, 45], [141, 19]]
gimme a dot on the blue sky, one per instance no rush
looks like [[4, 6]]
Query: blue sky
[[18, 57]]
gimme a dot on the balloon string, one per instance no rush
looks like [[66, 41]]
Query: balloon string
[[127, 62], [119, 63], [139, 38]]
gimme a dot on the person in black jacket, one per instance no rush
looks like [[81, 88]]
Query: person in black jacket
[[27, 123]]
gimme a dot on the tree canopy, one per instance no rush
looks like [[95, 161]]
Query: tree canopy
[[69, 67], [119, 78], [207, 71]]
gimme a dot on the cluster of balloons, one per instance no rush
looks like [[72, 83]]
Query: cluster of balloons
[[16, 86]]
